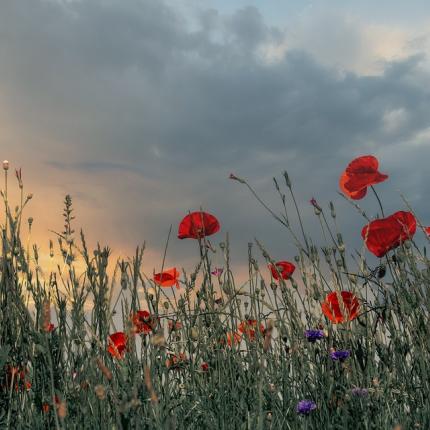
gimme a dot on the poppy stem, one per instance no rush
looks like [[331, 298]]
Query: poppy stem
[[379, 200]]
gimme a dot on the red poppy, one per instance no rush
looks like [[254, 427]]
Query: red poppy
[[49, 328], [427, 230], [360, 173], [197, 225], [143, 322], [174, 325], [176, 361], [382, 235], [19, 376], [337, 313], [232, 338], [205, 367], [168, 278], [117, 344], [285, 268], [248, 327]]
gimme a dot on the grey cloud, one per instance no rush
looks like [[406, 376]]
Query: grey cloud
[[130, 87]]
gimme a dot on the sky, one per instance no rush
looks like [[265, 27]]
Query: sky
[[140, 110]]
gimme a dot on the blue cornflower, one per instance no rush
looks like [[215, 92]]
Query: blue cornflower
[[339, 355], [314, 335], [304, 407]]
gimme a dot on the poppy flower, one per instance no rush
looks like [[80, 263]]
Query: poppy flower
[[197, 225], [176, 361], [143, 322], [248, 327], [360, 173], [49, 328], [174, 325], [168, 278], [383, 235], [285, 268], [204, 366], [19, 376], [117, 344], [337, 313], [427, 230], [232, 338]]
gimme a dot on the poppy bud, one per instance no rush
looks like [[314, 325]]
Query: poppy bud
[[287, 179], [5, 165], [381, 272]]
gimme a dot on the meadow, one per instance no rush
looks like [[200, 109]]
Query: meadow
[[329, 337]]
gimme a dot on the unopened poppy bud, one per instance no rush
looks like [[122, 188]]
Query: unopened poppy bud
[[235, 178], [194, 333], [100, 391], [30, 221], [166, 305], [5, 165]]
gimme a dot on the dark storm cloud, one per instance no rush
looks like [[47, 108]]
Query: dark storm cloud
[[164, 108]]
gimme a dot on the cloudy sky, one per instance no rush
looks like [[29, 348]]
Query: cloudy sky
[[140, 109]]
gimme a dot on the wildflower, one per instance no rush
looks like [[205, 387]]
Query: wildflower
[[197, 225], [176, 361], [217, 272], [248, 327], [305, 407], [340, 355], [359, 392], [427, 230], [19, 377], [314, 335], [205, 367], [50, 328], [143, 322], [360, 174], [174, 325], [285, 268], [167, 278], [316, 206], [383, 235], [232, 338], [117, 344], [339, 314]]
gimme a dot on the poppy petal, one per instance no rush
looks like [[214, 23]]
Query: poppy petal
[[197, 225], [285, 268], [383, 235], [337, 313]]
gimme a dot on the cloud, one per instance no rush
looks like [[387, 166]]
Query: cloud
[[144, 114]]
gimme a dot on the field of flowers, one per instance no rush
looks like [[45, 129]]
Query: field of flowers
[[328, 338]]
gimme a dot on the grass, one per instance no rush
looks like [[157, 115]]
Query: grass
[[66, 378]]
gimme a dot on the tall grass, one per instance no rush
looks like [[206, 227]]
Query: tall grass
[[196, 376]]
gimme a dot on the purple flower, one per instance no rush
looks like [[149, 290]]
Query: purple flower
[[340, 355], [360, 392], [314, 335], [218, 271], [314, 203], [304, 407]]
